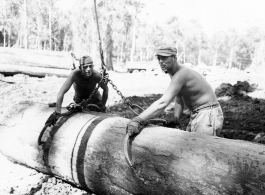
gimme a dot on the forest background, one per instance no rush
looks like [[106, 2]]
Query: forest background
[[226, 34], [131, 30]]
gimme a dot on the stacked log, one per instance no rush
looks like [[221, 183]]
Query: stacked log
[[86, 149], [38, 63]]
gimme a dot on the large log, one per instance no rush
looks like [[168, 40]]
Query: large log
[[38, 63], [10, 70], [36, 58], [86, 149]]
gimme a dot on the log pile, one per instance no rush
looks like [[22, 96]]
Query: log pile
[[38, 63], [86, 149]]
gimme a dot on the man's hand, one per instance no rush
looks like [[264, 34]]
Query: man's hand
[[53, 118], [135, 126], [172, 122], [106, 79]]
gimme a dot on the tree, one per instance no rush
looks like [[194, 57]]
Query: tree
[[195, 41], [257, 49], [219, 46], [11, 22]]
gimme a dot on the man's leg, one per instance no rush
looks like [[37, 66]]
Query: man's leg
[[218, 119]]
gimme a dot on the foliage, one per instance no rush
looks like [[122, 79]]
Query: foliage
[[126, 32]]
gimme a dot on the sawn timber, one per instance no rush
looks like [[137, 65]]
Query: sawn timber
[[86, 149]]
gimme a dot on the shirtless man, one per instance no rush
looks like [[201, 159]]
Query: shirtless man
[[84, 81], [189, 88]]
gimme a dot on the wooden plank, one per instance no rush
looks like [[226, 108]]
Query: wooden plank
[[87, 150]]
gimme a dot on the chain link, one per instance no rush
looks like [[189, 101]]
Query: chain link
[[126, 101], [118, 91], [82, 105], [133, 106]]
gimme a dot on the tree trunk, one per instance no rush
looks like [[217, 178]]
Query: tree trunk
[[50, 25], [231, 58], [141, 54], [215, 58], [65, 42], [11, 70], [133, 43], [39, 26], [9, 37], [25, 26], [184, 52], [86, 149], [121, 51], [147, 54], [109, 49], [199, 57], [94, 43], [4, 34]]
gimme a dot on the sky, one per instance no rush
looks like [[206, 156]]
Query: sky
[[214, 15]]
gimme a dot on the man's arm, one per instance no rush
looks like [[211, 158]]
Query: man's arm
[[158, 106], [179, 105], [105, 94], [136, 124], [104, 86], [66, 86]]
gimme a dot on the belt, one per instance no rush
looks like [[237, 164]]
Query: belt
[[206, 106]]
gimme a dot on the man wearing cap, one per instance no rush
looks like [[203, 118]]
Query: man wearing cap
[[84, 81], [189, 88]]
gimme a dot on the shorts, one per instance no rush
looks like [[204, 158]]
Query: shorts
[[206, 119]]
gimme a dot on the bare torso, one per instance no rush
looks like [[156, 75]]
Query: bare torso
[[195, 91], [84, 87]]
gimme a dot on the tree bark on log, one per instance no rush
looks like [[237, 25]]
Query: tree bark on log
[[10, 70], [38, 63], [86, 149], [35, 58]]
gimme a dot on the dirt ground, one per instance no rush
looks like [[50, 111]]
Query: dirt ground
[[243, 111]]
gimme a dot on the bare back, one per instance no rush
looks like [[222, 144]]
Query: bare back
[[195, 90]]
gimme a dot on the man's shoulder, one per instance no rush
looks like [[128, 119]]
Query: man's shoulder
[[188, 69], [96, 74], [75, 73], [184, 74], [183, 70]]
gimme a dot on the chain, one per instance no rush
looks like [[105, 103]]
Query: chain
[[82, 105], [133, 106], [126, 101], [118, 91]]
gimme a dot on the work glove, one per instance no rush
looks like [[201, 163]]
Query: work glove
[[53, 118], [135, 126], [172, 122]]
